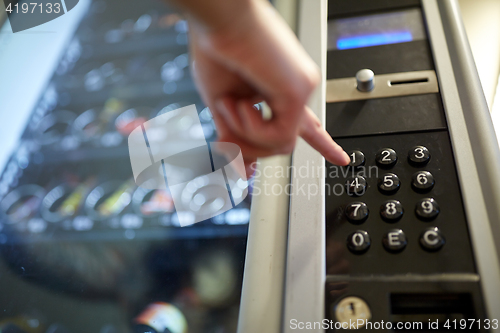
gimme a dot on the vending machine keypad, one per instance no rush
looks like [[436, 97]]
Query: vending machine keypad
[[395, 222]]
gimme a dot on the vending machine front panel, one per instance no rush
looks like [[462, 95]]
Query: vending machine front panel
[[407, 233]]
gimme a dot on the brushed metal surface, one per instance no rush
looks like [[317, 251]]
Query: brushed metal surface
[[386, 85]]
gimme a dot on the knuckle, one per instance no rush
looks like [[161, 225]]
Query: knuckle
[[312, 78]]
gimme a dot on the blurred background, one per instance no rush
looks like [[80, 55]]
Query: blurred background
[[82, 248]]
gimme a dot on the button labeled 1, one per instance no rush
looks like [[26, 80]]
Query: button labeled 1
[[357, 158]]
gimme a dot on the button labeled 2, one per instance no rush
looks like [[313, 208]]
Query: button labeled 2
[[357, 158], [386, 157]]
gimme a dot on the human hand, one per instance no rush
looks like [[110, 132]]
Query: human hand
[[248, 55]]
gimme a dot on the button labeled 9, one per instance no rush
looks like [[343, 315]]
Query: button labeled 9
[[427, 209]]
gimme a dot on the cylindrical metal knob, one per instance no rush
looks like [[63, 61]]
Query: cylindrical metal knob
[[365, 80]]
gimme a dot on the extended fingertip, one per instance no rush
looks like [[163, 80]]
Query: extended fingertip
[[345, 158], [338, 157]]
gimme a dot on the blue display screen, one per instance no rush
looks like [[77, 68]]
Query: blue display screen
[[374, 39], [376, 29]]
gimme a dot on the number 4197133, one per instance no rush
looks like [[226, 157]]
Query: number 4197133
[[32, 8], [471, 323]]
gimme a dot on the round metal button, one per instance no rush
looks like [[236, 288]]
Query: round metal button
[[422, 181], [427, 209], [358, 242], [386, 157], [356, 186], [365, 80], [389, 183], [419, 155], [391, 210], [356, 212], [394, 240], [357, 158], [431, 239]]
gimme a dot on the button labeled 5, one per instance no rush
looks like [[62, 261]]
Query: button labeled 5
[[389, 183]]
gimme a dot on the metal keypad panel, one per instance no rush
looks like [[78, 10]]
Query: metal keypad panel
[[410, 227]]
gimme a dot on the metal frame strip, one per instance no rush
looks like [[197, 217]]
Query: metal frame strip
[[473, 141]]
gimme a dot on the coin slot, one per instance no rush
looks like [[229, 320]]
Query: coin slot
[[395, 83], [437, 308]]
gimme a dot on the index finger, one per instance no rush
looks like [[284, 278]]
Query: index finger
[[313, 133]]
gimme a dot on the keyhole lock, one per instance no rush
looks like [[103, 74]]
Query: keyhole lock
[[350, 310]]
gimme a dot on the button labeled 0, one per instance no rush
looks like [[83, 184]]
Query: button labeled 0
[[358, 242]]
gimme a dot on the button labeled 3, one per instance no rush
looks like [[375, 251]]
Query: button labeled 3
[[357, 158], [419, 155]]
